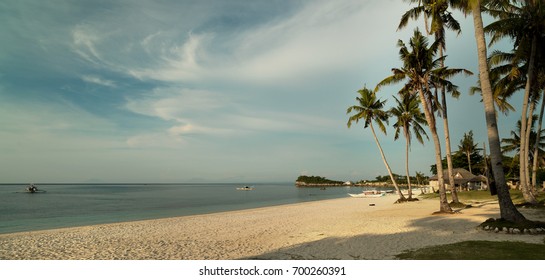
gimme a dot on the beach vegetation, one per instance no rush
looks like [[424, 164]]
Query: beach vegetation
[[499, 186], [478, 250], [512, 145], [410, 120], [315, 180], [437, 14], [371, 109], [421, 72], [524, 23], [479, 197], [459, 160], [468, 147], [419, 178]]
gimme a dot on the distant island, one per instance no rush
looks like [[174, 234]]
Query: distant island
[[380, 181], [303, 181]]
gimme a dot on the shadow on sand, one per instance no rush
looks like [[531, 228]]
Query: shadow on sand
[[423, 232]]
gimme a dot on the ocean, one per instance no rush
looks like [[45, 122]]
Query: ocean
[[68, 205]]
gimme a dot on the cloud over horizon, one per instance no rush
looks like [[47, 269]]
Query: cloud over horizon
[[210, 89]]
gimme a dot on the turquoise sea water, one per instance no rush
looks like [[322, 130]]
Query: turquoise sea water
[[77, 205]]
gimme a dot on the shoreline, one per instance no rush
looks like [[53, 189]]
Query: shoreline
[[343, 228]]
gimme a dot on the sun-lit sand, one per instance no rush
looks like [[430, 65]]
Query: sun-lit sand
[[347, 228]]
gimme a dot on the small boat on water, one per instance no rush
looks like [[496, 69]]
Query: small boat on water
[[246, 188], [368, 194], [33, 189]]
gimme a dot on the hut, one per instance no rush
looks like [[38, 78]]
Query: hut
[[463, 180]]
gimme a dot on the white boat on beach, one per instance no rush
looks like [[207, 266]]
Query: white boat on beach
[[246, 188], [368, 194]]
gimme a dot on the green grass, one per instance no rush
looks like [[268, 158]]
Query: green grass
[[484, 250], [478, 250], [480, 196]]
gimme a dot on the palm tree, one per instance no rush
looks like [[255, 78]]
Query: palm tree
[[508, 211], [512, 144], [422, 72], [441, 19], [468, 147], [370, 109], [409, 116], [419, 179], [523, 22], [537, 152], [505, 79]]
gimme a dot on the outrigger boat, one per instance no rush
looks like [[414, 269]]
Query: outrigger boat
[[33, 189], [246, 188], [368, 194]]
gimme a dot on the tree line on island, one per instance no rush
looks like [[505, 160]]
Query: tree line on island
[[426, 80], [304, 180]]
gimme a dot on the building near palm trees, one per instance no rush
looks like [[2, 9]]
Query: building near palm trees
[[463, 180]]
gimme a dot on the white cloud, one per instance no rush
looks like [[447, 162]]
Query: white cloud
[[84, 41], [175, 103], [98, 81], [319, 38], [175, 63]]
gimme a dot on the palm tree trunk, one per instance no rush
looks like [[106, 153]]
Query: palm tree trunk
[[536, 144], [446, 131], [469, 162], [454, 192], [401, 197], [528, 133], [528, 196], [508, 211], [407, 164], [443, 201]]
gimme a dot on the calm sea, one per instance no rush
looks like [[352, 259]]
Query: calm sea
[[77, 205]]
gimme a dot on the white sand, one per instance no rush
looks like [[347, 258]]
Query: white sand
[[347, 228]]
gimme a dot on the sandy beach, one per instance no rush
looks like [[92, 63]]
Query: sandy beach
[[347, 228]]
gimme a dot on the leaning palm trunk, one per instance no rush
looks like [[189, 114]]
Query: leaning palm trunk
[[454, 192], [536, 145], [508, 211], [401, 197], [528, 196], [443, 201], [446, 131]]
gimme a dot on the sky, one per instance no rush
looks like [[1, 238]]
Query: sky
[[208, 91]]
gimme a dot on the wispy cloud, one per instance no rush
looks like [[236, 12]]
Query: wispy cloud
[[219, 81], [174, 63], [84, 40], [98, 80]]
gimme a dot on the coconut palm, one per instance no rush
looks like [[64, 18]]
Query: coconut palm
[[409, 116], [512, 144], [508, 211], [505, 79], [419, 179], [524, 23], [508, 76], [468, 147], [537, 152], [441, 19], [421, 72], [370, 109]]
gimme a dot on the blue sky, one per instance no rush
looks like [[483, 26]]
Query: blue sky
[[206, 91]]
